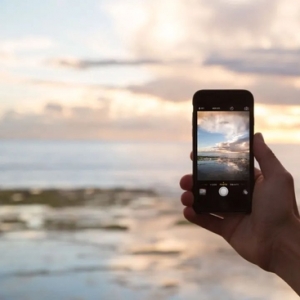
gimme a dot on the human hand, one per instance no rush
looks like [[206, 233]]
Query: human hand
[[274, 211]]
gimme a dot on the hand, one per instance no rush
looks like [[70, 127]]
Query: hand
[[254, 236]]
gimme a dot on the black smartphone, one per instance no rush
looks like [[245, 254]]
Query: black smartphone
[[223, 163]]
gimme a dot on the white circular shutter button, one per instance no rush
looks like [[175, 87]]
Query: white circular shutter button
[[223, 191]]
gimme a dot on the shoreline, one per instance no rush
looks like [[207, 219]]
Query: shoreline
[[115, 242], [69, 197], [78, 209]]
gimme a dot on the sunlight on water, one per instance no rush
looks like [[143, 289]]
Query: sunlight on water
[[120, 244], [158, 255]]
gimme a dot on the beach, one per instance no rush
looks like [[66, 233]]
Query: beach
[[94, 220], [100, 121], [117, 244]]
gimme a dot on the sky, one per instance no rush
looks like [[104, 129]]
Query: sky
[[127, 69], [223, 133]]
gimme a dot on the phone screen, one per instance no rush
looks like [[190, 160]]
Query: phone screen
[[223, 167]]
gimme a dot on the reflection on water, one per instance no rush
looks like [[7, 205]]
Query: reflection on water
[[234, 166], [141, 250], [222, 168]]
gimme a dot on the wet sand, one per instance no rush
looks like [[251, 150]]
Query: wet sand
[[118, 244]]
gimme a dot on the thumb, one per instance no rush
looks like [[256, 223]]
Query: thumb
[[268, 162]]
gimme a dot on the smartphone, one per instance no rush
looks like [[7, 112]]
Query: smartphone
[[223, 163]]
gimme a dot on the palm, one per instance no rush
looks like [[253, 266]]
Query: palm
[[252, 235]]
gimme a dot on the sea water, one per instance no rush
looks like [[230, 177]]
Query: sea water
[[76, 164], [79, 164], [154, 259]]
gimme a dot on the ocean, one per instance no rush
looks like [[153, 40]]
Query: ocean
[[81, 164], [135, 245], [77, 164]]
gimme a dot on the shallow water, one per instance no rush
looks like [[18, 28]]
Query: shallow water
[[154, 258]]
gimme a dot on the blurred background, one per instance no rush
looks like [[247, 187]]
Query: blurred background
[[95, 129]]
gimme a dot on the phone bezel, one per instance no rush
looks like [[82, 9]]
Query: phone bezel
[[218, 98]]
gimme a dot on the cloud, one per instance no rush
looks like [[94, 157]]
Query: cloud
[[105, 121], [143, 120], [241, 17], [54, 122], [233, 125], [168, 88], [195, 28], [282, 62], [275, 90], [29, 43], [268, 90], [240, 145], [82, 64], [177, 47], [53, 108], [223, 43], [26, 52]]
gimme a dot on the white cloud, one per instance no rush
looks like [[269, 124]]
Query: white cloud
[[194, 28], [227, 44], [233, 125], [25, 52], [240, 145], [29, 43], [159, 31]]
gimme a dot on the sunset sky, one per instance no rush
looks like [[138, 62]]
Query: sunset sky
[[127, 70]]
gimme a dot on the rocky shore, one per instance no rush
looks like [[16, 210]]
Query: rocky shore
[[72, 197], [68, 210]]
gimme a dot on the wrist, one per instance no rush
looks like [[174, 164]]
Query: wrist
[[285, 240], [285, 256]]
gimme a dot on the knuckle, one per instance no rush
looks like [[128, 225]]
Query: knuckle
[[287, 177]]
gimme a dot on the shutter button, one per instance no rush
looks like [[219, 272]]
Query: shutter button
[[223, 191]]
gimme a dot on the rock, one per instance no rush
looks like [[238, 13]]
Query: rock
[[17, 197]]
